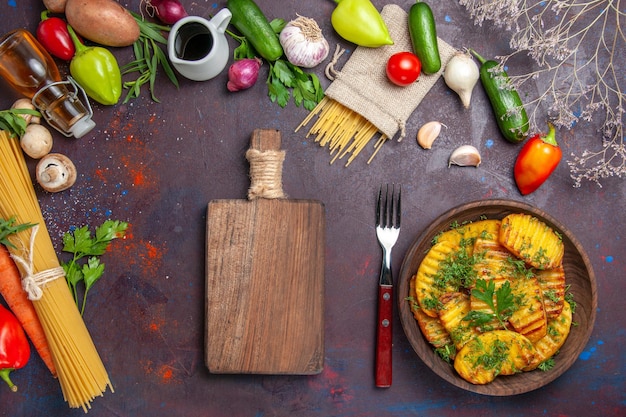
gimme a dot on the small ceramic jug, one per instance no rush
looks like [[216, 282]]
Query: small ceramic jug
[[197, 47]]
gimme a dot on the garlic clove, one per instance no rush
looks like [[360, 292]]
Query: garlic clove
[[427, 134], [464, 156]]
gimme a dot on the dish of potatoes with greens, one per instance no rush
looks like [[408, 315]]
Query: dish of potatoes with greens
[[490, 297]]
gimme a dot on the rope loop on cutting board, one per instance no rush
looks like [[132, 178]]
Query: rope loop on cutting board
[[266, 174]]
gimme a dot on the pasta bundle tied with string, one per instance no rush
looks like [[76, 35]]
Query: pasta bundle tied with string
[[361, 103], [80, 370]]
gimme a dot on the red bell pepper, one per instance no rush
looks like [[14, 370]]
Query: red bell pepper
[[14, 346], [52, 33], [536, 161]]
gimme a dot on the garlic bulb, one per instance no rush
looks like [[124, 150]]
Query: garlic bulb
[[303, 42], [465, 156]]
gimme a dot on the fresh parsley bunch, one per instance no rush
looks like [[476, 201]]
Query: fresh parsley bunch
[[81, 244], [284, 78]]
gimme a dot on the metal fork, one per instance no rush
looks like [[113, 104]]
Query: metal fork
[[387, 231]]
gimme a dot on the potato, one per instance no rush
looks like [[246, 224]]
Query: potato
[[499, 352], [55, 6], [552, 282], [102, 21], [532, 240], [428, 289], [454, 307], [467, 233], [530, 317], [558, 330]]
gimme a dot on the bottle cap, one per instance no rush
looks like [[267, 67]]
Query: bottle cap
[[81, 127]]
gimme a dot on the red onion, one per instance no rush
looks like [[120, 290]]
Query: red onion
[[168, 11], [243, 74]]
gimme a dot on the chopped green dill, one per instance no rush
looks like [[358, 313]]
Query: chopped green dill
[[495, 358], [431, 303], [551, 295], [569, 297], [546, 365], [446, 352]]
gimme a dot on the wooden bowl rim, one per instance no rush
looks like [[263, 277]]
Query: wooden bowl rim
[[503, 385]]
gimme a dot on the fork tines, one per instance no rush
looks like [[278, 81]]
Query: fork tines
[[389, 205]]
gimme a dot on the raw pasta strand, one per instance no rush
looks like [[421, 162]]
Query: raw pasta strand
[[341, 130], [81, 373]]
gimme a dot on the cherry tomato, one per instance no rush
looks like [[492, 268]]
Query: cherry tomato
[[53, 35], [403, 68]]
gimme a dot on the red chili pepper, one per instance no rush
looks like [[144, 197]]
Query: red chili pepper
[[537, 159], [53, 34], [14, 346]]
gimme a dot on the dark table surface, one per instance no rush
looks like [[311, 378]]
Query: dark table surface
[[157, 165]]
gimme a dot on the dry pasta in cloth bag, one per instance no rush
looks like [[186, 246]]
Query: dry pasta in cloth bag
[[361, 103]]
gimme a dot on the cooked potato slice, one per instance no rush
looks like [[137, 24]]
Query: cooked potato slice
[[558, 330], [529, 318], [552, 283], [467, 233], [499, 352], [454, 308], [428, 283], [431, 327], [531, 240], [493, 263]]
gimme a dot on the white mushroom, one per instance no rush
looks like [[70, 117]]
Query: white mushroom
[[55, 172], [36, 141], [24, 103]]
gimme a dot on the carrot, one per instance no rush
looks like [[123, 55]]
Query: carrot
[[17, 300]]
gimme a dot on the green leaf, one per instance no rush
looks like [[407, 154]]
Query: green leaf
[[281, 70], [77, 242], [12, 122], [80, 244], [502, 307], [7, 229], [72, 274], [278, 92], [92, 271], [148, 57]]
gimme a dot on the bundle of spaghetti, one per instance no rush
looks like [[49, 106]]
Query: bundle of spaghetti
[[342, 130], [81, 373]]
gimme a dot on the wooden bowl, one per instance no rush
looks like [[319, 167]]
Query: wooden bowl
[[578, 274]]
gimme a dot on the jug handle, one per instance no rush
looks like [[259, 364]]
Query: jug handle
[[222, 19]]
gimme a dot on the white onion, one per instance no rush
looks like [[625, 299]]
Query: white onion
[[303, 42], [461, 75]]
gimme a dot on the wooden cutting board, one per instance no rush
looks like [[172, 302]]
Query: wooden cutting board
[[265, 281]]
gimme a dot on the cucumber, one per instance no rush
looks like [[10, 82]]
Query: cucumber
[[252, 23], [424, 37], [505, 101]]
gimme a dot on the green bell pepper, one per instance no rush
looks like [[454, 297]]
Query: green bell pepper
[[96, 70], [359, 22]]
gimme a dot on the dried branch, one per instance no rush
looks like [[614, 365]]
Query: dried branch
[[580, 48]]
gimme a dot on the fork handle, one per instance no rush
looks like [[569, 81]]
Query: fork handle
[[384, 336]]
